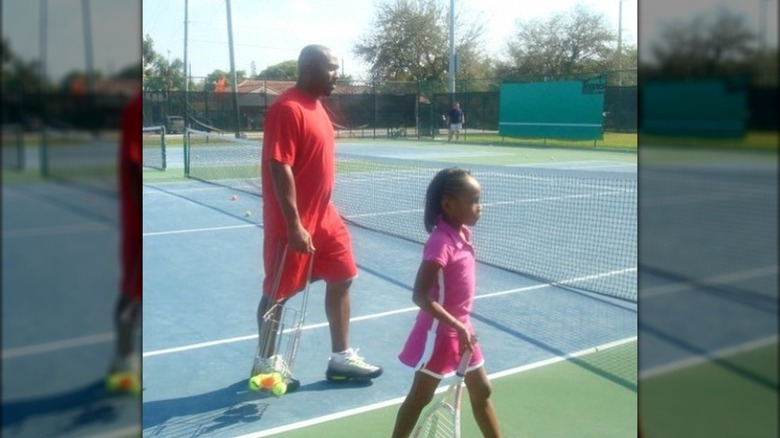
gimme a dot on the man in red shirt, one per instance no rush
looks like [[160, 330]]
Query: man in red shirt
[[298, 173], [127, 313]]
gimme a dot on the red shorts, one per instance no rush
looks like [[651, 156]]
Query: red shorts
[[333, 260]]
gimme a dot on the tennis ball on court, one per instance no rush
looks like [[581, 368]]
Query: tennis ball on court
[[279, 389], [264, 381], [124, 382], [271, 380], [248, 213], [256, 382], [233, 197]]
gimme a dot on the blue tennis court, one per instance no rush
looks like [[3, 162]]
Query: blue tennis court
[[202, 276], [60, 283], [709, 302]]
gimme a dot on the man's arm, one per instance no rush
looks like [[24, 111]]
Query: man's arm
[[298, 239]]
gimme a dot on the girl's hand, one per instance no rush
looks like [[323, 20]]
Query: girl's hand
[[466, 340]]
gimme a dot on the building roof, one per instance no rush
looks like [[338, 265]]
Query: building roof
[[118, 86]]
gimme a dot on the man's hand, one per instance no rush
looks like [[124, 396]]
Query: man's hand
[[299, 240]]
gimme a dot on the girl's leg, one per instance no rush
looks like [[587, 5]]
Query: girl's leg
[[420, 394], [481, 405]]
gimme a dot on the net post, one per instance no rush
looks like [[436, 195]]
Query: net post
[[186, 147], [20, 149], [43, 153], [164, 146]]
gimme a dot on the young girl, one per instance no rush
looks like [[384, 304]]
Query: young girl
[[444, 291]]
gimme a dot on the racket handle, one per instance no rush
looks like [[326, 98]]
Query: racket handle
[[464, 363]]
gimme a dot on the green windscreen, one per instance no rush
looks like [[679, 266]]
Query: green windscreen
[[565, 110], [701, 108]]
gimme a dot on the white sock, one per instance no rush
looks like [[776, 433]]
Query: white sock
[[341, 355]]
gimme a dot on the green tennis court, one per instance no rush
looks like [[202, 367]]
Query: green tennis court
[[593, 395]]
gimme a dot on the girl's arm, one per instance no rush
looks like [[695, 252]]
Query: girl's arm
[[426, 277]]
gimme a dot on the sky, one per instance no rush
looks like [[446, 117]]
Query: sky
[[271, 31], [115, 25]]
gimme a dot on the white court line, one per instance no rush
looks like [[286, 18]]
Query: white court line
[[199, 230], [49, 347], [398, 400], [578, 165], [202, 189], [732, 277], [493, 204], [590, 125], [708, 357], [379, 315], [55, 230]]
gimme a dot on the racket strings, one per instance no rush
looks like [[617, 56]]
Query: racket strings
[[441, 423]]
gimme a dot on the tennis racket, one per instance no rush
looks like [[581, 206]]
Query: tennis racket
[[442, 419], [282, 326]]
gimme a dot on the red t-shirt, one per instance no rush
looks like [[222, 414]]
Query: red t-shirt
[[130, 174], [298, 132]]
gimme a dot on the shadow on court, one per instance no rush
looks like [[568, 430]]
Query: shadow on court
[[223, 408], [68, 412], [207, 412]]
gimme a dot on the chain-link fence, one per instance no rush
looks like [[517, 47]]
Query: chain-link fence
[[379, 109], [94, 112]]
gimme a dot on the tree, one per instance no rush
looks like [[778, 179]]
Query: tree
[[704, 45], [18, 75], [132, 71], [158, 73], [567, 43], [625, 66], [165, 76], [408, 41], [148, 55], [283, 71]]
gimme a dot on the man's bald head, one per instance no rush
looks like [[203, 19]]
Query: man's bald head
[[312, 54], [317, 70]]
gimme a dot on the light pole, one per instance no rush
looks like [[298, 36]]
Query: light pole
[[762, 26], [620, 43], [233, 69], [451, 73], [90, 66], [42, 48]]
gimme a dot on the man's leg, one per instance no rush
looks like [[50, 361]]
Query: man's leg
[[124, 373], [126, 319], [338, 310], [344, 363]]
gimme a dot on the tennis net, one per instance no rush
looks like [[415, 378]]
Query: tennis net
[[154, 147], [79, 156], [13, 147], [577, 229]]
